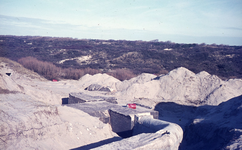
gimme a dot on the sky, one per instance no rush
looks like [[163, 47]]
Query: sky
[[180, 21]]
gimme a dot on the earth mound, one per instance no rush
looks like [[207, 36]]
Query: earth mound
[[180, 86]]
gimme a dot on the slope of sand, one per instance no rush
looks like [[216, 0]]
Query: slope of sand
[[219, 128], [32, 117], [28, 124]]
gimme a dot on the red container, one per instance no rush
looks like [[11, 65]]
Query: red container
[[54, 80], [133, 106]]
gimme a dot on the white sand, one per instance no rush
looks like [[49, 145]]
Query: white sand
[[180, 86], [31, 116]]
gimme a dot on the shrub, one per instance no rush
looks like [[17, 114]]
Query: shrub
[[46, 69], [91, 71], [50, 71], [122, 74], [70, 73]]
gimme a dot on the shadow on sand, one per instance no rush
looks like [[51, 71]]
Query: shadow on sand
[[207, 134], [180, 114], [97, 144]]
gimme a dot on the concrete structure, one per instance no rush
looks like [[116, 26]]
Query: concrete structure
[[97, 87], [140, 127], [123, 119], [82, 98], [154, 134], [96, 109], [104, 110]]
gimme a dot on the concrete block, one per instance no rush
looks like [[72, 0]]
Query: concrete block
[[148, 125], [96, 109], [74, 98], [97, 87], [82, 98], [123, 119], [154, 134]]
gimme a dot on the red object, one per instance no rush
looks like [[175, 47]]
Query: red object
[[133, 106], [54, 80]]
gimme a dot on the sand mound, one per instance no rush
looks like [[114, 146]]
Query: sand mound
[[181, 86], [141, 79], [101, 79]]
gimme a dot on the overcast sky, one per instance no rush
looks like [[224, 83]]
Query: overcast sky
[[182, 21]]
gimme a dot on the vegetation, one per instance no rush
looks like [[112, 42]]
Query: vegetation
[[108, 56], [50, 71], [122, 74]]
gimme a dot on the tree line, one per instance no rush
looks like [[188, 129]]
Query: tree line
[[50, 71]]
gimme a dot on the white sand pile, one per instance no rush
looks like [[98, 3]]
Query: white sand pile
[[141, 79], [101, 79], [181, 86]]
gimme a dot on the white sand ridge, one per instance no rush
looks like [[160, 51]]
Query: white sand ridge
[[181, 86]]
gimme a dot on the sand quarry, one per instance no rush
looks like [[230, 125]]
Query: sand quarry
[[32, 116]]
